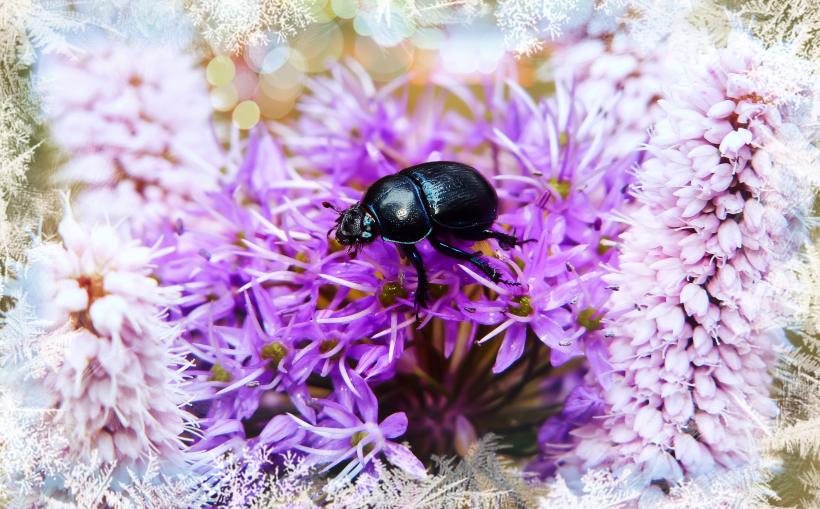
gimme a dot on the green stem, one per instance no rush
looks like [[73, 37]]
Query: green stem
[[432, 381]]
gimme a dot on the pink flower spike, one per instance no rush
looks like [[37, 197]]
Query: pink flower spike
[[722, 109], [729, 236], [705, 232]]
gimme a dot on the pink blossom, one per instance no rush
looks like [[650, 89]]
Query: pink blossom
[[135, 122], [699, 315], [609, 65], [117, 389]]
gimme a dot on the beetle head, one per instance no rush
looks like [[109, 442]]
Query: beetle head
[[354, 227]]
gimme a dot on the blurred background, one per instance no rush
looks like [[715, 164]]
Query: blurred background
[[265, 81]]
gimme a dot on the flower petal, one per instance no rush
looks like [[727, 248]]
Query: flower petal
[[394, 426], [512, 347], [401, 456]]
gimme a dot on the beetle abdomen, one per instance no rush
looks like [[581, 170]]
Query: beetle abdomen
[[458, 196], [396, 205]]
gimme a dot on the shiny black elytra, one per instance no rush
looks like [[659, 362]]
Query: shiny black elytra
[[425, 202]]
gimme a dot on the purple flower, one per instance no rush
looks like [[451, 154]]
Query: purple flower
[[272, 306], [357, 133], [342, 435], [581, 405], [543, 309], [560, 167]]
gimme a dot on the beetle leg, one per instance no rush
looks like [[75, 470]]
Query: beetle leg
[[452, 252], [506, 242], [420, 299], [458, 254], [491, 273]]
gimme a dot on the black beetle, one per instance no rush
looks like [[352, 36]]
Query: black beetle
[[425, 202]]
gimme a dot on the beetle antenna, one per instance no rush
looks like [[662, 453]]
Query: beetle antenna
[[328, 205]]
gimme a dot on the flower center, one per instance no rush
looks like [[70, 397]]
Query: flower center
[[358, 437], [562, 187], [219, 374], [328, 345], [276, 352], [603, 248], [524, 308], [333, 246], [563, 139], [586, 321], [438, 291], [94, 286], [135, 81], [391, 290], [302, 257]]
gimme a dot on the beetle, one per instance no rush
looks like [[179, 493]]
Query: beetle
[[426, 201]]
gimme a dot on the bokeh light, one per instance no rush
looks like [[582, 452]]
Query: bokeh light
[[387, 29], [361, 24], [468, 50], [245, 80], [321, 44], [428, 38], [246, 115], [267, 53], [220, 71], [224, 97], [345, 8], [321, 11], [272, 107], [272, 71], [277, 91], [287, 81], [385, 64]]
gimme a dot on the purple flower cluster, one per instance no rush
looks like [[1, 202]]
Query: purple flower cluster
[[271, 305]]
